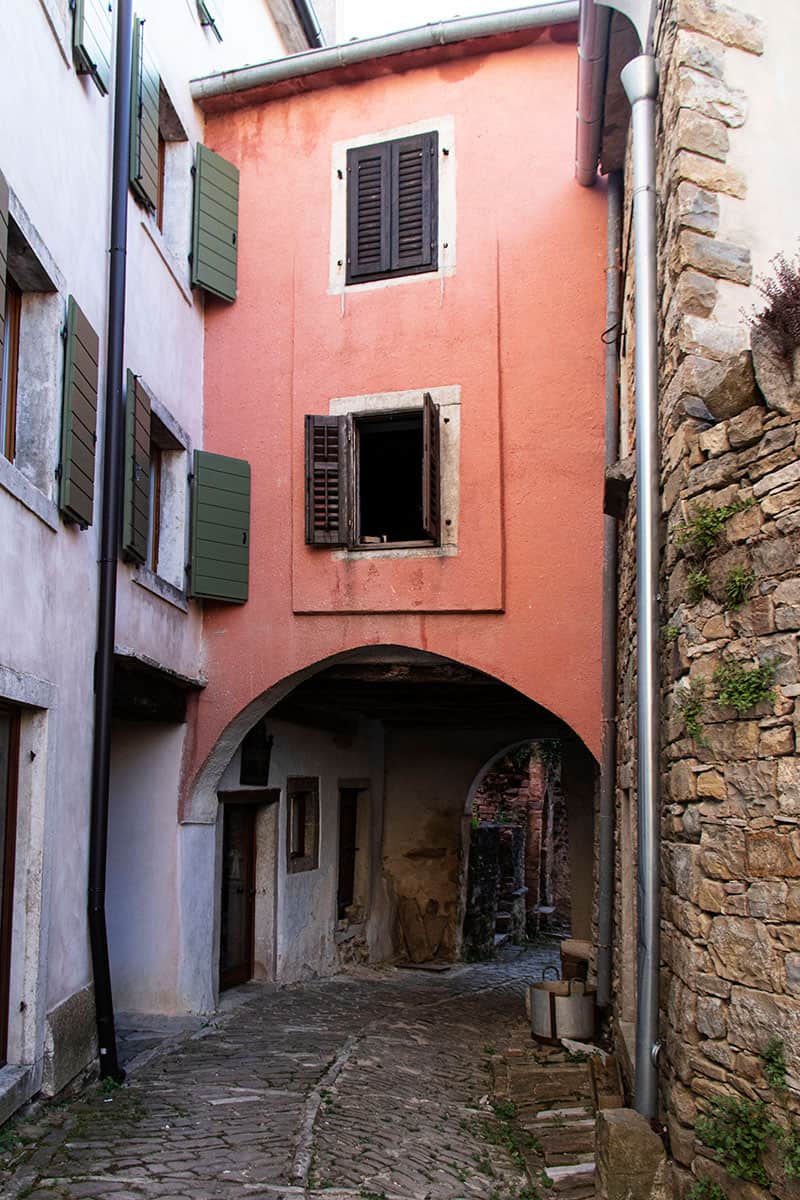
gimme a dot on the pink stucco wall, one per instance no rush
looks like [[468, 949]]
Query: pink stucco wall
[[517, 327]]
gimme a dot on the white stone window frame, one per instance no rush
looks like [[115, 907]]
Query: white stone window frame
[[174, 241], [446, 235], [448, 402], [169, 581]]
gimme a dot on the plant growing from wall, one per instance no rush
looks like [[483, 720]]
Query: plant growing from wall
[[780, 316], [741, 688], [705, 1189], [671, 633], [791, 1154], [699, 585], [738, 1130], [738, 585], [701, 532], [690, 702], [773, 1062]]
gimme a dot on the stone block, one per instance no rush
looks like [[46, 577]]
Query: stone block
[[721, 21], [711, 895], [777, 479], [70, 1041], [778, 501], [697, 209], [715, 440], [772, 853], [631, 1161], [688, 919], [746, 524], [711, 785], [788, 780], [682, 782], [747, 427], [755, 1016], [716, 177], [776, 742], [756, 617], [700, 52], [766, 901], [723, 852], [733, 739], [732, 389], [774, 556], [702, 134], [742, 951], [710, 1017], [775, 374], [722, 260], [704, 93], [712, 985], [695, 293], [792, 965], [751, 780]]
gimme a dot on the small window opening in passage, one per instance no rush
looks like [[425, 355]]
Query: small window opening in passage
[[390, 466]]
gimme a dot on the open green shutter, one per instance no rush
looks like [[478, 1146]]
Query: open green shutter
[[215, 227], [91, 40], [79, 419], [209, 16], [3, 259], [220, 528], [145, 93], [136, 501]]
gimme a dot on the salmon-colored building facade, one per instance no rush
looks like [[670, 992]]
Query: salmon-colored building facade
[[501, 334]]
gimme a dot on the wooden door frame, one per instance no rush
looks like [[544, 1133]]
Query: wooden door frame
[[8, 851], [247, 799]]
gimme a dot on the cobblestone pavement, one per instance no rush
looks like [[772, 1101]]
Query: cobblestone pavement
[[373, 1084]]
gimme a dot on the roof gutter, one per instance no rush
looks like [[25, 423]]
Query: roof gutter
[[442, 33], [593, 34], [310, 22]]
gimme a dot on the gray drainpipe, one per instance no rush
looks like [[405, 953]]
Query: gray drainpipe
[[593, 31], [310, 22], [443, 33], [640, 80], [605, 866], [109, 542]]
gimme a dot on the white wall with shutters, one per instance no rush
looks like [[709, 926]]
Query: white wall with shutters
[[447, 163]]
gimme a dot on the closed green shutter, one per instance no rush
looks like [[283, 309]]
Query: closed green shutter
[[91, 40], [3, 258], [145, 100], [220, 528], [79, 419], [215, 227], [136, 501]]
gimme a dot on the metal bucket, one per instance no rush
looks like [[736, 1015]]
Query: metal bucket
[[562, 1008]]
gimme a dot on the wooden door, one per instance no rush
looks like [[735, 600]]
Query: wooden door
[[238, 895], [9, 746]]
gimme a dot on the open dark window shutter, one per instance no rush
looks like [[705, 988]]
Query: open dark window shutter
[[79, 419], [3, 261], [209, 16], [431, 468], [145, 100], [414, 202], [327, 490], [220, 566], [91, 40], [368, 198], [215, 224], [136, 502]]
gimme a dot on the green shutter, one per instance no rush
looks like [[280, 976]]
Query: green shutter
[[220, 527], [91, 41], [136, 500], [79, 419], [145, 92], [3, 259], [209, 16], [215, 228]]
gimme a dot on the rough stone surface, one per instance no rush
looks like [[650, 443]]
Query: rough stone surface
[[774, 374], [631, 1163]]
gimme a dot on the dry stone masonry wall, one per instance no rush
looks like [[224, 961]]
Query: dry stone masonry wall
[[730, 444]]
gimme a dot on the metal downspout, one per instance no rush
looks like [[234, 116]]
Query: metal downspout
[[605, 869], [109, 541], [309, 22], [640, 80]]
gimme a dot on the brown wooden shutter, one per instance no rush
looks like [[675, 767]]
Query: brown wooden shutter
[[327, 487], [136, 503], [414, 202], [3, 260], [145, 104], [368, 202], [79, 419], [431, 468]]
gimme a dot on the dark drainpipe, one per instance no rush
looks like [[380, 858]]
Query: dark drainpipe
[[609, 674], [310, 23], [109, 541]]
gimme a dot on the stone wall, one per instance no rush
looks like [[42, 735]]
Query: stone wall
[[731, 780]]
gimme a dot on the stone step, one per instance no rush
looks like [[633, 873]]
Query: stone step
[[572, 1181], [557, 1140], [502, 922], [565, 1114]]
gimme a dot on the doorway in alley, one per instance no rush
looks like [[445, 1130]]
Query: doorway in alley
[[237, 910], [9, 745]]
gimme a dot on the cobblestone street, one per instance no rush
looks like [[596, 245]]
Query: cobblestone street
[[368, 1085]]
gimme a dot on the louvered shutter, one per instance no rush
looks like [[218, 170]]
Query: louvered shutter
[[145, 93], [215, 225], [136, 500], [327, 489], [209, 16], [3, 261], [220, 565], [91, 40], [368, 201], [79, 419], [414, 207], [431, 468]]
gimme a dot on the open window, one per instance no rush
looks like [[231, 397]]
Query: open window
[[373, 479], [302, 824]]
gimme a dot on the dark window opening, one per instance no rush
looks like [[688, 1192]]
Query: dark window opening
[[9, 754], [256, 752], [390, 456], [10, 377], [348, 825], [302, 824]]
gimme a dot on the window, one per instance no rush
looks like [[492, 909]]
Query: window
[[302, 825], [8, 388], [166, 503], [255, 756], [392, 208], [372, 480]]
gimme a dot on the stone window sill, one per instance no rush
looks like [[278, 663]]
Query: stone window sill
[[151, 229], [157, 586], [14, 482]]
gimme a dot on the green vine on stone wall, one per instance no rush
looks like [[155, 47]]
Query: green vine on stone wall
[[742, 688], [738, 1131], [701, 532], [773, 1061], [705, 1189], [699, 585], [691, 703], [738, 586]]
